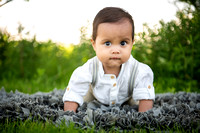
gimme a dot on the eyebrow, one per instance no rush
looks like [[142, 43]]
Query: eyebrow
[[127, 39], [106, 40]]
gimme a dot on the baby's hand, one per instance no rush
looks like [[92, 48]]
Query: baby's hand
[[70, 106], [145, 105]]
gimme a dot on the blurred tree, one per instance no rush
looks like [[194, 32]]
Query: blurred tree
[[173, 51], [84, 50], [4, 41], [195, 3]]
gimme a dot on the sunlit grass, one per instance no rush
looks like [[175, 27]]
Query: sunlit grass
[[49, 127]]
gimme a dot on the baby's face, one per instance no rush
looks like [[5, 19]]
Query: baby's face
[[113, 43]]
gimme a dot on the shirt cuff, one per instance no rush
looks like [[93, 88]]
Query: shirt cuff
[[73, 97], [143, 93]]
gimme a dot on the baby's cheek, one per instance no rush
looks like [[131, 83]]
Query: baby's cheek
[[126, 57]]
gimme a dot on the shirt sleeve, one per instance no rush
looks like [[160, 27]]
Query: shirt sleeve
[[79, 83], [144, 88]]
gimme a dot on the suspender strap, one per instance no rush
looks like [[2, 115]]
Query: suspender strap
[[133, 77], [95, 71]]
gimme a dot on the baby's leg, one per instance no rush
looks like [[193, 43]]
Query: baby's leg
[[89, 96]]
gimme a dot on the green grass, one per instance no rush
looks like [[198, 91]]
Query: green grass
[[31, 86], [36, 127], [48, 127]]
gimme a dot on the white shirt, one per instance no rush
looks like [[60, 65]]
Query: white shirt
[[110, 89]]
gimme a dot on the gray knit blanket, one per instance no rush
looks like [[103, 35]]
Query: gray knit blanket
[[170, 110]]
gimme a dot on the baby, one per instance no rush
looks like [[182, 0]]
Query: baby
[[112, 40]]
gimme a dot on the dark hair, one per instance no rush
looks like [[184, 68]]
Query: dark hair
[[111, 15]]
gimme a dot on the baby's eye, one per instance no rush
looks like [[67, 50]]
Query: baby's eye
[[123, 43], [107, 43]]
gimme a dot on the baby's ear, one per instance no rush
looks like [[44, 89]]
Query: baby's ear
[[133, 41], [93, 44], [91, 40]]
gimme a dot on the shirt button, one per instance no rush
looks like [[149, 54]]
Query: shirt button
[[113, 102], [112, 77], [114, 84], [149, 87]]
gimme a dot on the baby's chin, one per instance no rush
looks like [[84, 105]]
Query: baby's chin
[[114, 64]]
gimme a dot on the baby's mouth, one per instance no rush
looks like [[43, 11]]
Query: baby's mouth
[[115, 58]]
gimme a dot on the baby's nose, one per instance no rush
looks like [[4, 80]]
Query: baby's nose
[[115, 50]]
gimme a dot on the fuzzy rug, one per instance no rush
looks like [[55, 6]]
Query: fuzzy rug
[[170, 110]]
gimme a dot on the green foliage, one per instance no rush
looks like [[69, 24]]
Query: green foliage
[[195, 3], [173, 52], [30, 66]]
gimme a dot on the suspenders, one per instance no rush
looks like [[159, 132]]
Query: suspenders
[[95, 70], [131, 80], [134, 73]]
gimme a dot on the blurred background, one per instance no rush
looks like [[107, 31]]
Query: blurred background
[[43, 41]]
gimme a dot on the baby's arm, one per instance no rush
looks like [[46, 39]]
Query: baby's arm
[[145, 105], [144, 89], [78, 86], [70, 106]]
